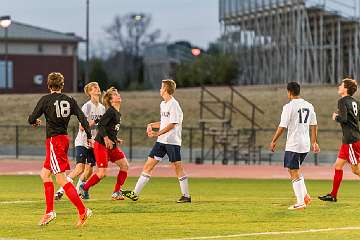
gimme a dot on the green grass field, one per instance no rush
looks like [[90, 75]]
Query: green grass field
[[220, 207]]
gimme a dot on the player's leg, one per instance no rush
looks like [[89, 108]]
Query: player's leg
[[292, 161], [121, 178], [73, 196], [59, 147], [88, 170], [101, 157], [49, 199], [173, 152], [341, 160], [156, 155], [79, 168]]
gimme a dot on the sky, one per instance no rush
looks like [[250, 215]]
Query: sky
[[192, 20]]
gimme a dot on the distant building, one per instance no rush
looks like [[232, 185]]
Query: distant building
[[160, 61], [33, 53]]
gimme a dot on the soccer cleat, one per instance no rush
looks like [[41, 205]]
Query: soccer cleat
[[58, 195], [47, 218], [83, 193], [117, 196], [328, 198], [130, 194], [297, 206], [307, 199], [184, 199], [84, 217]]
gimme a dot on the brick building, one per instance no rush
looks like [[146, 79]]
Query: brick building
[[33, 53]]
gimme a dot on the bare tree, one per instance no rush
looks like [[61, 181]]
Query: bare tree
[[131, 33]]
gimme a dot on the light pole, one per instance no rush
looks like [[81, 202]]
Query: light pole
[[138, 20], [5, 22], [87, 68]]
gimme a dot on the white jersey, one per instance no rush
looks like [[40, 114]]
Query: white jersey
[[91, 112], [171, 113], [297, 116]]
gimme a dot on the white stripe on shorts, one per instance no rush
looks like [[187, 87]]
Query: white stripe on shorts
[[352, 154], [53, 158]]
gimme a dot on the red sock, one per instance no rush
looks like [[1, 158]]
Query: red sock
[[49, 196], [72, 194], [94, 179], [122, 175], [336, 182]]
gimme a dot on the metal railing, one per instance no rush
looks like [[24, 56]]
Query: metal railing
[[26, 142]]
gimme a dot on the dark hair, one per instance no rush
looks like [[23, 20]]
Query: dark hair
[[293, 88], [350, 85]]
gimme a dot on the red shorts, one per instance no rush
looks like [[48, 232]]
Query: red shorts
[[350, 152], [104, 155], [56, 154]]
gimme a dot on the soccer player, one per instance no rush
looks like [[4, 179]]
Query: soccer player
[[297, 117], [85, 160], [105, 146], [58, 108], [168, 142], [348, 117]]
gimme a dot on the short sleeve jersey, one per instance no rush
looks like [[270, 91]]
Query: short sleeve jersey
[[297, 116], [349, 119], [109, 126], [171, 113], [92, 112], [58, 108]]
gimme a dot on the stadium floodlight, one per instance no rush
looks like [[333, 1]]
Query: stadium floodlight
[[195, 52], [138, 17], [5, 22]]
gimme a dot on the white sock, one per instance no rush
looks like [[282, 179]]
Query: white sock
[[69, 179], [142, 181], [184, 186], [298, 191], [303, 186], [78, 184]]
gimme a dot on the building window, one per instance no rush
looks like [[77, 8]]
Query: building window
[[40, 48], [10, 82], [64, 50]]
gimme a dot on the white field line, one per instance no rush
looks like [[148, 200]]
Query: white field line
[[270, 233], [41, 201]]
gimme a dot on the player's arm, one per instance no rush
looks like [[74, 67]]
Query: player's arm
[[313, 138], [37, 112], [341, 116], [166, 129], [278, 133], [284, 122], [103, 122], [150, 126], [174, 120]]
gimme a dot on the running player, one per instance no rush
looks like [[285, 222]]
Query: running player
[[297, 117], [348, 117], [105, 148], [58, 108], [168, 142], [85, 160]]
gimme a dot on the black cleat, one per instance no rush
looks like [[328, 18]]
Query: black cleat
[[328, 198], [58, 195], [130, 194], [184, 199]]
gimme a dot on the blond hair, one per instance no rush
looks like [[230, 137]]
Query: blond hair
[[170, 86], [88, 87], [108, 96], [55, 81]]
